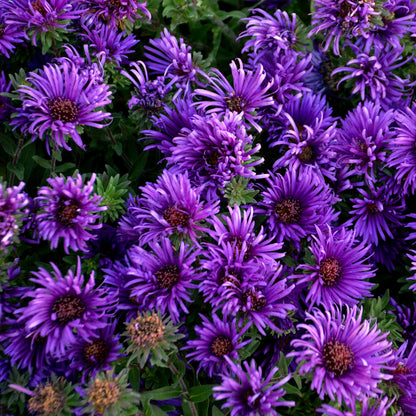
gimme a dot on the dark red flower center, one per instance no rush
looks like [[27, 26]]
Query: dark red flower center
[[372, 208], [175, 217], [362, 145], [257, 301], [402, 370], [63, 109], [288, 210], [68, 308], [306, 154], [114, 4], [231, 275], [344, 9], [96, 352], [338, 357], [213, 158], [67, 211], [235, 103], [330, 270], [38, 6], [167, 276], [221, 346], [2, 31]]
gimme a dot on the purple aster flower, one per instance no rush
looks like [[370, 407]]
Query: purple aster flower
[[9, 33], [338, 19], [247, 392], [238, 230], [170, 125], [374, 77], [62, 304], [406, 318], [216, 150], [403, 158], [363, 139], [12, 204], [172, 206], [275, 33], [216, 341], [116, 12], [67, 211], [376, 214], [57, 101], [295, 203], [41, 16], [248, 93], [5, 105], [172, 59], [347, 355], [150, 94], [97, 353], [304, 132], [106, 40], [162, 279], [341, 269]]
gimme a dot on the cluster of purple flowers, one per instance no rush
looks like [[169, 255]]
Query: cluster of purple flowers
[[255, 263]]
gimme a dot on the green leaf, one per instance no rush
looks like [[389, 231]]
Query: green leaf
[[42, 162], [199, 394], [152, 410], [64, 167], [19, 171], [216, 411], [134, 378], [164, 393], [248, 350]]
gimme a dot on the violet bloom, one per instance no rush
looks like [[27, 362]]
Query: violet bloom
[[376, 214], [247, 392], [5, 104], [67, 212], [10, 34], [341, 269], [57, 101], [275, 33], [248, 93], [172, 206], [374, 77], [95, 354], [162, 278], [339, 19], [114, 13], [304, 133], [65, 308], [172, 59], [403, 158], [41, 16], [106, 40], [345, 354], [295, 203], [216, 150], [363, 139], [150, 94], [217, 340], [406, 318], [170, 125]]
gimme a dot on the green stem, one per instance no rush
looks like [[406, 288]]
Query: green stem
[[15, 159], [183, 388], [114, 143]]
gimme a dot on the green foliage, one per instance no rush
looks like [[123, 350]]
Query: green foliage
[[237, 192]]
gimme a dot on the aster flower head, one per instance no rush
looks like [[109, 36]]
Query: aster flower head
[[341, 269], [248, 92], [67, 212], [248, 392], [338, 19], [5, 105], [95, 354], [172, 206], [346, 354], [403, 158], [216, 150], [172, 58], [363, 139], [108, 394], [115, 12], [216, 341], [406, 318], [10, 34], [162, 278], [374, 78], [295, 203], [152, 336], [62, 303], [150, 94], [43, 17], [112, 44], [56, 101], [12, 208], [277, 33]]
